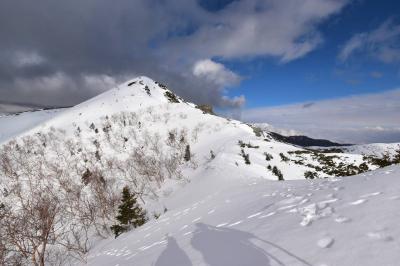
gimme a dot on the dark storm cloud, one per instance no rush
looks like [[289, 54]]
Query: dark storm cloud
[[62, 52]]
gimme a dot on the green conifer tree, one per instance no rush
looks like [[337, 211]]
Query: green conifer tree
[[130, 214], [187, 153]]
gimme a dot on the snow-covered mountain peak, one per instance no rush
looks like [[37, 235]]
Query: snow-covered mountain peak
[[147, 88], [137, 94]]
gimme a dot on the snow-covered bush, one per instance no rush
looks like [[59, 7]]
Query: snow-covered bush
[[57, 191], [284, 158]]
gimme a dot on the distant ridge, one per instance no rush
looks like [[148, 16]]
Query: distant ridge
[[305, 141], [14, 108]]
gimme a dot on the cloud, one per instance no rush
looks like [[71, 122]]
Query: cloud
[[356, 119], [215, 72], [286, 30], [25, 59], [59, 43], [381, 43], [285, 132], [50, 86]]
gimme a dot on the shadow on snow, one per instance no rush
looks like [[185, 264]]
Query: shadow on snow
[[224, 247]]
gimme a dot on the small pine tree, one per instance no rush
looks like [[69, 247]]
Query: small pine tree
[[129, 213], [268, 156], [278, 173], [310, 175], [212, 155], [187, 153], [246, 157]]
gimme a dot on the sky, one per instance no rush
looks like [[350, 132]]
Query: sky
[[295, 64]]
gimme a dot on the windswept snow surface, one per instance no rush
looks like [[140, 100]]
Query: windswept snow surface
[[224, 212], [374, 149], [12, 125], [225, 218]]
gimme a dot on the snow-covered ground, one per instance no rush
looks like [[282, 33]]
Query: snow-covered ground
[[12, 125], [156, 114], [375, 149], [222, 211], [224, 218]]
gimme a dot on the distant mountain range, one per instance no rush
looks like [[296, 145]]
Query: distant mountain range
[[305, 141], [10, 107]]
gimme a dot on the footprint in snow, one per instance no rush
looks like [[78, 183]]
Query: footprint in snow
[[266, 215], [223, 224], [131, 256], [324, 202], [315, 211], [196, 220], [358, 202], [286, 207], [126, 253], [379, 235], [395, 198], [236, 223], [183, 227], [254, 215], [342, 219], [325, 242], [371, 195], [187, 233], [289, 201]]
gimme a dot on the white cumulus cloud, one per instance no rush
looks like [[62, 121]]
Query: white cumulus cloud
[[215, 72]]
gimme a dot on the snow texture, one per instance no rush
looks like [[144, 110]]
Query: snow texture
[[263, 223], [231, 213]]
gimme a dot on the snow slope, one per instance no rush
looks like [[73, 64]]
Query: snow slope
[[225, 218], [222, 210], [11, 125], [146, 99], [374, 149]]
